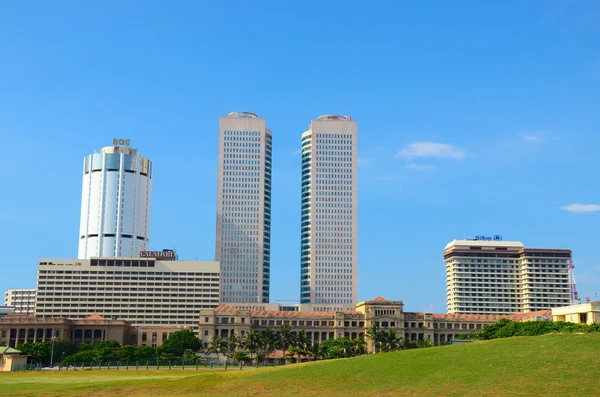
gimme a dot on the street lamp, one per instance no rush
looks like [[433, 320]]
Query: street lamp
[[52, 353]]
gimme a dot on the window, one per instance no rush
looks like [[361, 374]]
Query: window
[[205, 332], [205, 319]]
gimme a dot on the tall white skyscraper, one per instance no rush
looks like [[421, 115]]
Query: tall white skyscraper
[[243, 243], [115, 205], [329, 218]]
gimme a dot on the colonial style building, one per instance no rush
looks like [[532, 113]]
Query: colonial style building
[[16, 329], [320, 326]]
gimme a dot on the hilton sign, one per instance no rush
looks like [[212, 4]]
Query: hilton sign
[[486, 238], [161, 255]]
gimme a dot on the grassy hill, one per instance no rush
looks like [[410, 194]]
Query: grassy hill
[[556, 364]]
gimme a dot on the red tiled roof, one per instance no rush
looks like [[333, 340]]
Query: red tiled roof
[[491, 317], [380, 299], [271, 313], [94, 316], [225, 308]]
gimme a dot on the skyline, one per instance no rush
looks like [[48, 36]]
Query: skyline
[[470, 124]]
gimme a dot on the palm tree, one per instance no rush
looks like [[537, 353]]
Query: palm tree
[[286, 338], [391, 340], [269, 341], [359, 347], [314, 350], [217, 345], [302, 343], [232, 343], [407, 343], [303, 340], [251, 342], [375, 336]]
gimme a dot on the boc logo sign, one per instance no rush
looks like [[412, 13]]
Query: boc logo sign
[[487, 238], [121, 142]]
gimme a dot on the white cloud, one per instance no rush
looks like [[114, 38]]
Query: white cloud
[[431, 149], [537, 137], [297, 152], [418, 167], [581, 207]]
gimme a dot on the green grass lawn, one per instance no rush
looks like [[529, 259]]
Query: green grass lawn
[[549, 365]]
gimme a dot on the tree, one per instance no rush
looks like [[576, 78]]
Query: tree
[[217, 345], [145, 353], [314, 350], [39, 352], [269, 342], [286, 338], [241, 357], [359, 347], [391, 340], [126, 353], [251, 342], [302, 343], [424, 343], [375, 336], [85, 356], [189, 355], [335, 348], [407, 344], [83, 347], [232, 343], [177, 343], [63, 348], [107, 344], [104, 354]]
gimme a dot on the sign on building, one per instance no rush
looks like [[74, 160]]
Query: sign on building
[[166, 255]]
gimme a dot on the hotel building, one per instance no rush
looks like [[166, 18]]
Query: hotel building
[[23, 300], [499, 277], [142, 291], [329, 215], [243, 235], [115, 203]]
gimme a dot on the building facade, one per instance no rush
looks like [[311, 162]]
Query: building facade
[[499, 277], [243, 235], [115, 203], [329, 215], [23, 300], [321, 326], [142, 291], [16, 329], [583, 313]]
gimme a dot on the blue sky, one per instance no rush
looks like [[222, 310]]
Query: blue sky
[[474, 118]]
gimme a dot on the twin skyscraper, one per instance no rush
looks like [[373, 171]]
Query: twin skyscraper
[[116, 207]]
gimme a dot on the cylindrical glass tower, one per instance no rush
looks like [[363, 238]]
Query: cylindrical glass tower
[[115, 205]]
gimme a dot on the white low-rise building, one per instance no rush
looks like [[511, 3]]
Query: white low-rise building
[[23, 300]]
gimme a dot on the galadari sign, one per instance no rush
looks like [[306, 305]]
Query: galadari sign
[[487, 238], [162, 255]]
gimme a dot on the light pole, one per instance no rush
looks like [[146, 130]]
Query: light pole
[[52, 353]]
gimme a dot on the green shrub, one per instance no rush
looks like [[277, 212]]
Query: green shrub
[[507, 328]]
